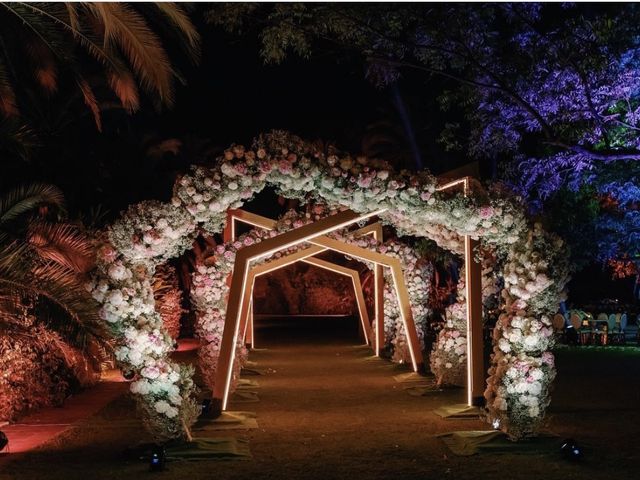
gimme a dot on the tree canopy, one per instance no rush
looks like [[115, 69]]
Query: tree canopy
[[550, 90]]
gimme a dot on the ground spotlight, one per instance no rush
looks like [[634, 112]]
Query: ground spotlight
[[158, 458], [571, 450], [4, 441]]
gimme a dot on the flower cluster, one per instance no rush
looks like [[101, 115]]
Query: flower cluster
[[521, 395], [151, 232], [449, 355], [535, 274]]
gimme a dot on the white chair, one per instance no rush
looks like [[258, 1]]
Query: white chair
[[602, 317], [620, 328]]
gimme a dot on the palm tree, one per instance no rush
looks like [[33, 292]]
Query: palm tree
[[42, 262], [93, 47]]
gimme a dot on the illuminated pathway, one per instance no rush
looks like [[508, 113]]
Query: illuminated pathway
[[45, 425], [327, 411]]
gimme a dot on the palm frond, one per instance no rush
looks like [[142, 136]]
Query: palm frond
[[126, 28], [68, 17], [45, 70], [182, 22], [8, 105], [124, 86], [43, 27], [17, 139], [26, 198], [78, 318], [90, 101], [63, 244], [72, 11]]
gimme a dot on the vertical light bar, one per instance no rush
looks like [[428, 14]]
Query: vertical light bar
[[475, 347], [250, 332], [378, 287], [378, 279], [407, 316], [362, 309]]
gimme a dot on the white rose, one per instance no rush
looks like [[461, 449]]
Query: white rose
[[115, 298], [162, 406]]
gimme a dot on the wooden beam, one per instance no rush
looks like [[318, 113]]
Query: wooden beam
[[476, 377]]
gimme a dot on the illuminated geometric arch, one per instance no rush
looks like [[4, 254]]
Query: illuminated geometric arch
[[306, 256], [238, 303], [246, 324]]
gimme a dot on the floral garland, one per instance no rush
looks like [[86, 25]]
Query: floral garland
[[151, 232], [210, 289]]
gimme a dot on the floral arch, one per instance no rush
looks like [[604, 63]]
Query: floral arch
[[532, 263]]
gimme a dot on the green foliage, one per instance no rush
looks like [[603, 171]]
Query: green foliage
[[101, 53], [42, 265], [574, 216]]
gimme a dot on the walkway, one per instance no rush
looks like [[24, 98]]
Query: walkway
[[45, 425], [328, 411]]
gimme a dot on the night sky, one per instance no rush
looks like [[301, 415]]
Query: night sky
[[230, 97]]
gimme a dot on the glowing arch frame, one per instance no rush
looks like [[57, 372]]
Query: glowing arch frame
[[246, 324], [238, 304], [374, 229], [476, 379]]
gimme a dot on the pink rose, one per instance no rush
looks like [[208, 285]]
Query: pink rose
[[486, 212], [107, 253], [284, 166], [364, 181]]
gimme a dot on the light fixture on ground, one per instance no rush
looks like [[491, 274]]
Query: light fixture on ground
[[158, 458], [206, 407], [571, 450]]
